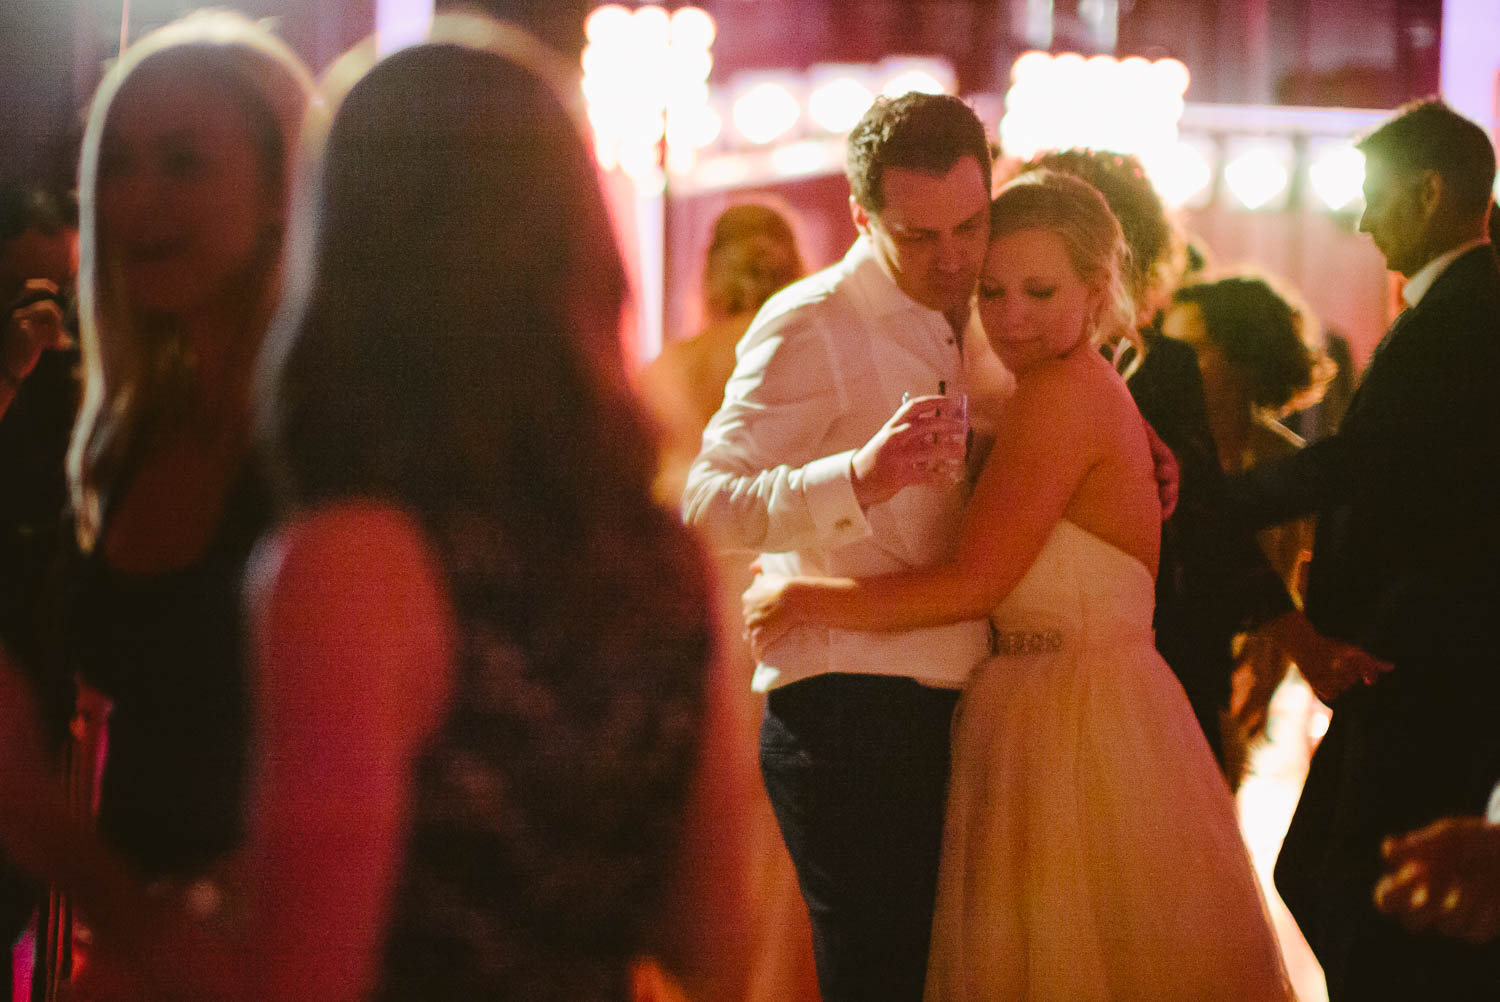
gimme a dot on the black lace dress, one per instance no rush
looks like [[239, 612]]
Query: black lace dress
[[549, 805]]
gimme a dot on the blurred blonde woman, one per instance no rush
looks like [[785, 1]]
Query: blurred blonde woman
[[183, 197], [184, 187], [752, 253]]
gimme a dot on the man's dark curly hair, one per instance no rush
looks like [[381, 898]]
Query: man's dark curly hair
[[922, 132], [1120, 178]]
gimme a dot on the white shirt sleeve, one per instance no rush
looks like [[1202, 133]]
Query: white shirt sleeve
[[760, 481]]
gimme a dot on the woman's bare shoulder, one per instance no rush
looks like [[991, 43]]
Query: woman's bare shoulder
[[1076, 392], [345, 544], [353, 586]]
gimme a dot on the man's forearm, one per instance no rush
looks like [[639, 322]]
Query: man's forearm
[[775, 510]]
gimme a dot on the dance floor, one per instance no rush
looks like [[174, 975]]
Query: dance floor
[[1266, 799]]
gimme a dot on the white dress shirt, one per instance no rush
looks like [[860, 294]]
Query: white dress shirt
[[1416, 287], [823, 366]]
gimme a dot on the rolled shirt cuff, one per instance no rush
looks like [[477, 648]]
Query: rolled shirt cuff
[[828, 485]]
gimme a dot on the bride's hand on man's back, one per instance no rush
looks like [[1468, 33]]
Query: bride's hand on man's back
[[1168, 476]]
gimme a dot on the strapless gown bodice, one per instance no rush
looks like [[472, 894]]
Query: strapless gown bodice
[[1080, 592]]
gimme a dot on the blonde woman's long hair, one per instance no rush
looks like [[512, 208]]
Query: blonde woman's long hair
[[129, 368]]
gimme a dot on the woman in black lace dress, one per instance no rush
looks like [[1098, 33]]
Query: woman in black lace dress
[[450, 412]]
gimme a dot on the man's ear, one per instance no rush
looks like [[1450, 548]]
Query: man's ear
[[861, 217], [1429, 192]]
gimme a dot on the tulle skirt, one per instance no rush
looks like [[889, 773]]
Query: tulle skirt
[[1091, 849]]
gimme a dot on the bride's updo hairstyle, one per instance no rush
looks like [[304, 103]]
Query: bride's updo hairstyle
[[1070, 208]]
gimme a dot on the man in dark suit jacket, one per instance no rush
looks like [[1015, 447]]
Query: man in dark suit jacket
[[1404, 589]]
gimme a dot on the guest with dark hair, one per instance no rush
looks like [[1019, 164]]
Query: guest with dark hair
[[38, 238], [1241, 327], [1214, 582], [1400, 635], [929, 135], [39, 394], [38, 264], [38, 399], [806, 462], [1252, 352]]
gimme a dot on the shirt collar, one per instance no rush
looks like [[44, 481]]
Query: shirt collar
[[1419, 284], [882, 295]]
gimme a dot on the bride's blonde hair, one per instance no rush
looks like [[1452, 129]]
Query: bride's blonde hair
[[1071, 208]]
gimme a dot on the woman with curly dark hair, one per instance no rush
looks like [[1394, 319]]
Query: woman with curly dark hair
[[1252, 351], [1251, 343]]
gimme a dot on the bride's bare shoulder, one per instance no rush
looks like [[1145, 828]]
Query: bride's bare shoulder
[[1083, 383]]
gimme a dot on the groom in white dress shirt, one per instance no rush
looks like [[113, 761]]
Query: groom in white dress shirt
[[813, 461]]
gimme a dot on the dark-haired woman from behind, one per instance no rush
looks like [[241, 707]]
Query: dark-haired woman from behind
[[450, 413]]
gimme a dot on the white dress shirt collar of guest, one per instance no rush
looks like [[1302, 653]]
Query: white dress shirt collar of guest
[[1419, 283]]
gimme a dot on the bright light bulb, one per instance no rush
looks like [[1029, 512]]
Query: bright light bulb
[[838, 104], [689, 65], [1179, 173], [680, 159], [1173, 75], [1033, 65], [765, 112], [1255, 177], [692, 127], [1068, 62], [693, 27], [652, 27], [1338, 177], [810, 156], [607, 25]]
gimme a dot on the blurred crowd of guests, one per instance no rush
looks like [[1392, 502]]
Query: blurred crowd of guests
[[333, 496]]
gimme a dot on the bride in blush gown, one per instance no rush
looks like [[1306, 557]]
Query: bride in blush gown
[[1091, 850]]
